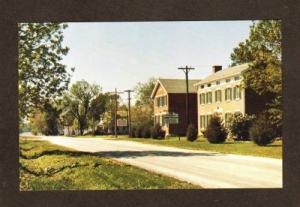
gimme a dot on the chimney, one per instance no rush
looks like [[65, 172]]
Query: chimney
[[216, 68]]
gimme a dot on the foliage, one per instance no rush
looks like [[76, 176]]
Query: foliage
[[262, 132], [37, 122], [146, 131], [262, 50], [51, 118], [215, 131], [78, 101], [42, 76], [191, 133], [132, 132], [157, 132], [142, 111], [138, 131], [239, 126]]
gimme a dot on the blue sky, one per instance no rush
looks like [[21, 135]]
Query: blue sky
[[121, 54]]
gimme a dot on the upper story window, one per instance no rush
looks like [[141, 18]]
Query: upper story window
[[209, 97], [218, 82], [202, 98], [209, 85], [161, 101], [227, 80], [237, 77], [218, 96], [228, 94], [202, 86], [237, 93]]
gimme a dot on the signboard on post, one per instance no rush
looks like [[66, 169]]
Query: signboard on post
[[122, 122], [171, 118]]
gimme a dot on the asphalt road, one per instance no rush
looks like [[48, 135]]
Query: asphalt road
[[207, 169]]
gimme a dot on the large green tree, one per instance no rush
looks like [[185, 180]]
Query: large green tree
[[78, 100], [142, 112], [42, 76], [262, 50]]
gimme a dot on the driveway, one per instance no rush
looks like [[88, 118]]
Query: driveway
[[207, 169]]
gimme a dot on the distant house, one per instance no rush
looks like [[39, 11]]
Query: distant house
[[221, 93], [169, 96]]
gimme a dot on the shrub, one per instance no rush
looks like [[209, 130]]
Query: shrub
[[132, 132], [262, 132], [215, 131], [146, 133], [191, 133], [138, 132], [240, 126], [157, 132]]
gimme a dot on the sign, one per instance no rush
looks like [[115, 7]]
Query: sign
[[171, 118], [122, 122]]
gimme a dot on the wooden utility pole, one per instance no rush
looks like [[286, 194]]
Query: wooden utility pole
[[129, 112], [186, 71], [116, 110]]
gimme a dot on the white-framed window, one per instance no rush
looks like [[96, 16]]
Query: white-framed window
[[202, 121], [237, 92], [228, 116], [228, 94], [218, 95], [202, 98], [209, 97]]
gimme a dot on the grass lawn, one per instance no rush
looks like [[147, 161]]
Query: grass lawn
[[273, 150], [45, 166]]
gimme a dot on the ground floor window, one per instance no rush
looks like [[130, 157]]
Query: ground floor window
[[202, 121]]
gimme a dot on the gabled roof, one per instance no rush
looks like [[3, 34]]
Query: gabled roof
[[228, 72], [174, 86]]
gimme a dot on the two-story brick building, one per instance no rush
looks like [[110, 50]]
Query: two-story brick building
[[169, 96], [222, 93]]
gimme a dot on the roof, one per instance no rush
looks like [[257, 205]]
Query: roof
[[175, 86], [224, 73]]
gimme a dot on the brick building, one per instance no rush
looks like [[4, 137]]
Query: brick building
[[169, 96]]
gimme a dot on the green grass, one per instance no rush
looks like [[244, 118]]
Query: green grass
[[273, 150], [45, 166]]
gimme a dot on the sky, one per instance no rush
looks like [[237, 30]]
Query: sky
[[121, 54]]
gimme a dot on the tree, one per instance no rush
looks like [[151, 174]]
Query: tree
[[215, 131], [79, 99], [141, 113], [97, 109], [42, 76], [262, 50]]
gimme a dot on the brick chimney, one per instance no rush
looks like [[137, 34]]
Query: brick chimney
[[216, 68]]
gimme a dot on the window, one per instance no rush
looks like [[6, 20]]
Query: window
[[202, 86], [202, 121], [237, 92], [202, 98], [227, 80], [209, 85], [163, 120], [227, 119], [228, 94], [218, 82], [209, 97], [236, 78], [161, 101], [218, 95]]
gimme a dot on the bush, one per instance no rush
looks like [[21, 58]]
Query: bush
[[240, 126], [157, 132], [262, 132], [132, 132], [146, 133], [138, 132], [215, 131], [191, 133]]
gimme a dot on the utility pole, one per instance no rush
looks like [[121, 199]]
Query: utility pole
[[129, 113], [186, 71], [115, 93]]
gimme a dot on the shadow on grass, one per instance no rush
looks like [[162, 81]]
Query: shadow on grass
[[118, 154]]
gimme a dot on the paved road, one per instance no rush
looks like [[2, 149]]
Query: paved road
[[208, 169]]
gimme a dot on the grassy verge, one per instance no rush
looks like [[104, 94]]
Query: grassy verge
[[44, 166], [231, 147]]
